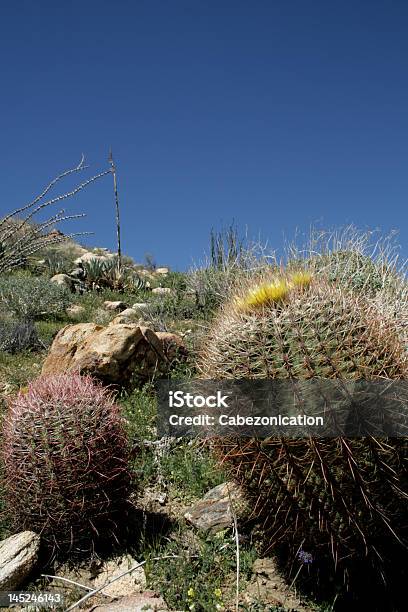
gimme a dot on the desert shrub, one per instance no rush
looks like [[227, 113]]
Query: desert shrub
[[65, 456], [18, 336], [163, 310], [232, 260], [341, 500], [29, 297], [226, 247]]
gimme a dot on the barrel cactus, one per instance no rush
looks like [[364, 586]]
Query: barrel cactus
[[342, 501], [65, 456]]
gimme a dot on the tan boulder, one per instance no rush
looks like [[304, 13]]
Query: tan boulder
[[89, 256], [162, 271], [112, 354], [63, 280], [75, 310], [18, 557], [162, 291], [126, 316], [115, 306]]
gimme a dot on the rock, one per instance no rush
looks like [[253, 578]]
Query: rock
[[116, 306], [144, 272], [129, 584], [143, 602], [56, 232], [89, 256], [213, 512], [64, 281], [78, 273], [162, 271], [112, 354], [173, 345], [75, 310], [162, 291], [18, 556], [125, 316]]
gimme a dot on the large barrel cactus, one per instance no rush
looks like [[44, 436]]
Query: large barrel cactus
[[341, 502], [65, 456]]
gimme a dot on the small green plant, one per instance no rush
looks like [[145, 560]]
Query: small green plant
[[56, 263], [191, 470], [29, 297], [202, 578]]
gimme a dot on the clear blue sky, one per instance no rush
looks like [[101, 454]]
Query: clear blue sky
[[277, 113]]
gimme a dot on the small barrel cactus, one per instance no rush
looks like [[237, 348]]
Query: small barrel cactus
[[343, 501], [65, 454]]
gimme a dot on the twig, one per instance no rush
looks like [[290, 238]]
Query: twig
[[237, 554], [77, 168], [78, 584], [95, 591]]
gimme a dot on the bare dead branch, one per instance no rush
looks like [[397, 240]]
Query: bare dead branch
[[21, 237]]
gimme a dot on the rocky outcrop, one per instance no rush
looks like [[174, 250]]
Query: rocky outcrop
[[113, 354], [18, 556], [89, 256]]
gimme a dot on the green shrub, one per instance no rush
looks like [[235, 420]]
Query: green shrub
[[18, 336], [29, 297]]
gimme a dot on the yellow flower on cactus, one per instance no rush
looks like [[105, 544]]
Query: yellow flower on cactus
[[264, 295], [191, 592], [218, 593], [301, 279]]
